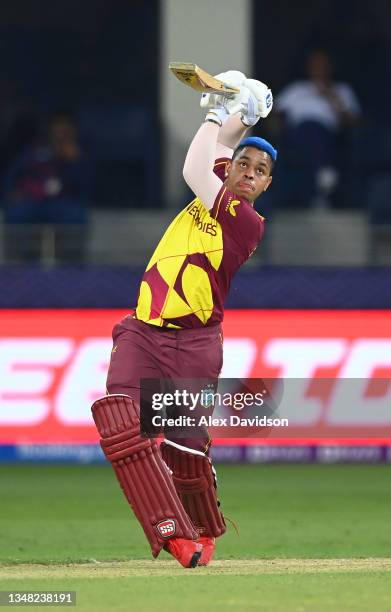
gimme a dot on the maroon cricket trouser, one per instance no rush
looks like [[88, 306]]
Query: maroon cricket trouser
[[143, 351]]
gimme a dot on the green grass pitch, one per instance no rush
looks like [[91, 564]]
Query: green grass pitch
[[312, 537]]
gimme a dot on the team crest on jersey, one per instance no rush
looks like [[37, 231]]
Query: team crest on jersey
[[166, 528], [231, 207]]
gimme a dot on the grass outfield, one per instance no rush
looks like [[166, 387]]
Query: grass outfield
[[311, 538]]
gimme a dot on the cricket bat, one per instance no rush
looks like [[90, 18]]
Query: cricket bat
[[195, 77]]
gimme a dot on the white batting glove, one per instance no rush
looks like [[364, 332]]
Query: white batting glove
[[259, 102], [221, 105], [232, 78], [217, 115]]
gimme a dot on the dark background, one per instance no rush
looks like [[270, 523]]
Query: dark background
[[357, 36], [99, 60], [95, 59]]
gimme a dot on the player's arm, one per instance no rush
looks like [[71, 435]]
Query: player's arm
[[205, 147], [229, 136], [198, 168], [232, 129], [213, 139], [255, 100]]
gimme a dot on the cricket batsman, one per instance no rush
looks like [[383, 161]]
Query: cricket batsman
[[175, 332]]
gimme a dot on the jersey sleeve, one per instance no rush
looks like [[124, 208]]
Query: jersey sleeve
[[219, 167], [242, 226]]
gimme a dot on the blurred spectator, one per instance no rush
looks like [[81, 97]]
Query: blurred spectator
[[48, 185], [18, 123], [314, 112]]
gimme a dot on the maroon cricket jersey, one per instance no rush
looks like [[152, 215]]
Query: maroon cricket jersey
[[188, 277]]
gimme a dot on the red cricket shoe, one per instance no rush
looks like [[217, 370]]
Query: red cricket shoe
[[187, 552], [208, 548]]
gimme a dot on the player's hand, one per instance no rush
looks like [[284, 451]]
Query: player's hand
[[259, 102], [232, 78]]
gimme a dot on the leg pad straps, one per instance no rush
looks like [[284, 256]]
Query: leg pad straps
[[141, 472], [195, 483]]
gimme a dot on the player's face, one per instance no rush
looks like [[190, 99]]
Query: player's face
[[249, 173]]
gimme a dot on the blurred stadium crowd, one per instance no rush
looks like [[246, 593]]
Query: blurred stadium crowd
[[75, 160]]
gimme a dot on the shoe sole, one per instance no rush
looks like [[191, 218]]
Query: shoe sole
[[195, 558]]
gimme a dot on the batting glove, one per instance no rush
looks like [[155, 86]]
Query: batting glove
[[259, 102], [217, 115], [222, 105]]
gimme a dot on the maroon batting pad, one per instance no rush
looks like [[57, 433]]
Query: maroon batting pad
[[142, 474], [195, 483]]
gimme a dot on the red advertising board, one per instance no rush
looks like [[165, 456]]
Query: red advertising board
[[53, 366]]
